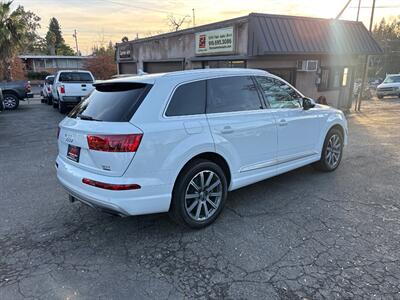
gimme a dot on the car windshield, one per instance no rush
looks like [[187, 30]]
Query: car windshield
[[392, 79], [50, 80], [75, 77]]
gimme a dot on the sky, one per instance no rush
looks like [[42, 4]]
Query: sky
[[99, 21]]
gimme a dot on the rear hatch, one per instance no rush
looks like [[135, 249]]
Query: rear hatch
[[96, 136], [76, 84]]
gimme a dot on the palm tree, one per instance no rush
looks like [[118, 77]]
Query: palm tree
[[12, 33]]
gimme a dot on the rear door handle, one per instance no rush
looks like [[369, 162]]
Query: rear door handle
[[283, 122], [227, 130]]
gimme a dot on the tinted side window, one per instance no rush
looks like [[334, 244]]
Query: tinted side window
[[188, 99], [232, 94], [278, 93]]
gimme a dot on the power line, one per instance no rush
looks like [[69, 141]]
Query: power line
[[139, 7], [382, 6]]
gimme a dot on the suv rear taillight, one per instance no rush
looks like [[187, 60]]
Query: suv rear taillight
[[48, 89], [62, 89], [114, 143]]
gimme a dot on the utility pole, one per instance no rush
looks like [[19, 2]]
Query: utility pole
[[358, 10], [343, 9], [75, 35], [365, 74], [194, 18]]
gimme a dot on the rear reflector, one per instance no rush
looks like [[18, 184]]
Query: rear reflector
[[114, 143], [109, 186]]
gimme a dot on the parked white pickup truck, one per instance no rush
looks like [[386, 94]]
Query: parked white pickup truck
[[70, 87]]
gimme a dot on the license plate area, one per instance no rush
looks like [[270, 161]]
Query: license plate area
[[73, 153]]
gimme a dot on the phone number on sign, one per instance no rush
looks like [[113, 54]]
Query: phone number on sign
[[220, 42]]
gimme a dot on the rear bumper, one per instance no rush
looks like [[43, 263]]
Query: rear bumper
[[150, 198], [71, 99]]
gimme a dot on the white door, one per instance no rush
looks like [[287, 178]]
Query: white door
[[243, 130], [297, 128]]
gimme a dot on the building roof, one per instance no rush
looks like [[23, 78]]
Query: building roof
[[51, 56], [278, 34]]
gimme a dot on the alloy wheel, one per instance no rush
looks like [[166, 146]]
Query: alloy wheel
[[9, 102], [333, 151], [203, 195]]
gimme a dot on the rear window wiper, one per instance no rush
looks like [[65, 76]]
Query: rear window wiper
[[88, 118]]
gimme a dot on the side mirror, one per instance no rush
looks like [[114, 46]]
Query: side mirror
[[308, 103]]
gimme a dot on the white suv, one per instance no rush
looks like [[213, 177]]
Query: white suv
[[180, 141]]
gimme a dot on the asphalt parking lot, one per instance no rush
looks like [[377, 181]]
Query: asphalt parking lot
[[300, 235]]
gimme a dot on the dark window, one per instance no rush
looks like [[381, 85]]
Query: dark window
[[288, 75], [188, 99], [333, 78], [278, 93], [75, 77], [224, 64], [116, 102], [50, 80], [232, 94]]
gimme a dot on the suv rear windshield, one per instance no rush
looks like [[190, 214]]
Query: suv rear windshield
[[111, 102], [75, 77]]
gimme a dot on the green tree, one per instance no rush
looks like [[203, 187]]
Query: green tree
[[13, 31], [102, 50], [387, 33], [32, 42], [55, 42]]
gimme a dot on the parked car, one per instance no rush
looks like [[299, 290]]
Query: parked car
[[70, 87], [180, 141], [1, 100], [15, 91], [46, 90], [389, 87]]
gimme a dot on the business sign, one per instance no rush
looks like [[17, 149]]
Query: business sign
[[215, 41], [125, 52]]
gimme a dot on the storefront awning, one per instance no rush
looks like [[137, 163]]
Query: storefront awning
[[275, 34]]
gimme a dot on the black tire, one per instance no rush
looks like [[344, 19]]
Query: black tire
[[55, 104], [49, 100], [324, 163], [179, 210], [61, 107], [11, 102]]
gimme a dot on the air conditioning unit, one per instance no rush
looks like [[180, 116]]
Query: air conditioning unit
[[307, 65]]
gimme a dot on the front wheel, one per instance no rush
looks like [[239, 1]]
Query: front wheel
[[332, 151], [199, 194], [10, 101]]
